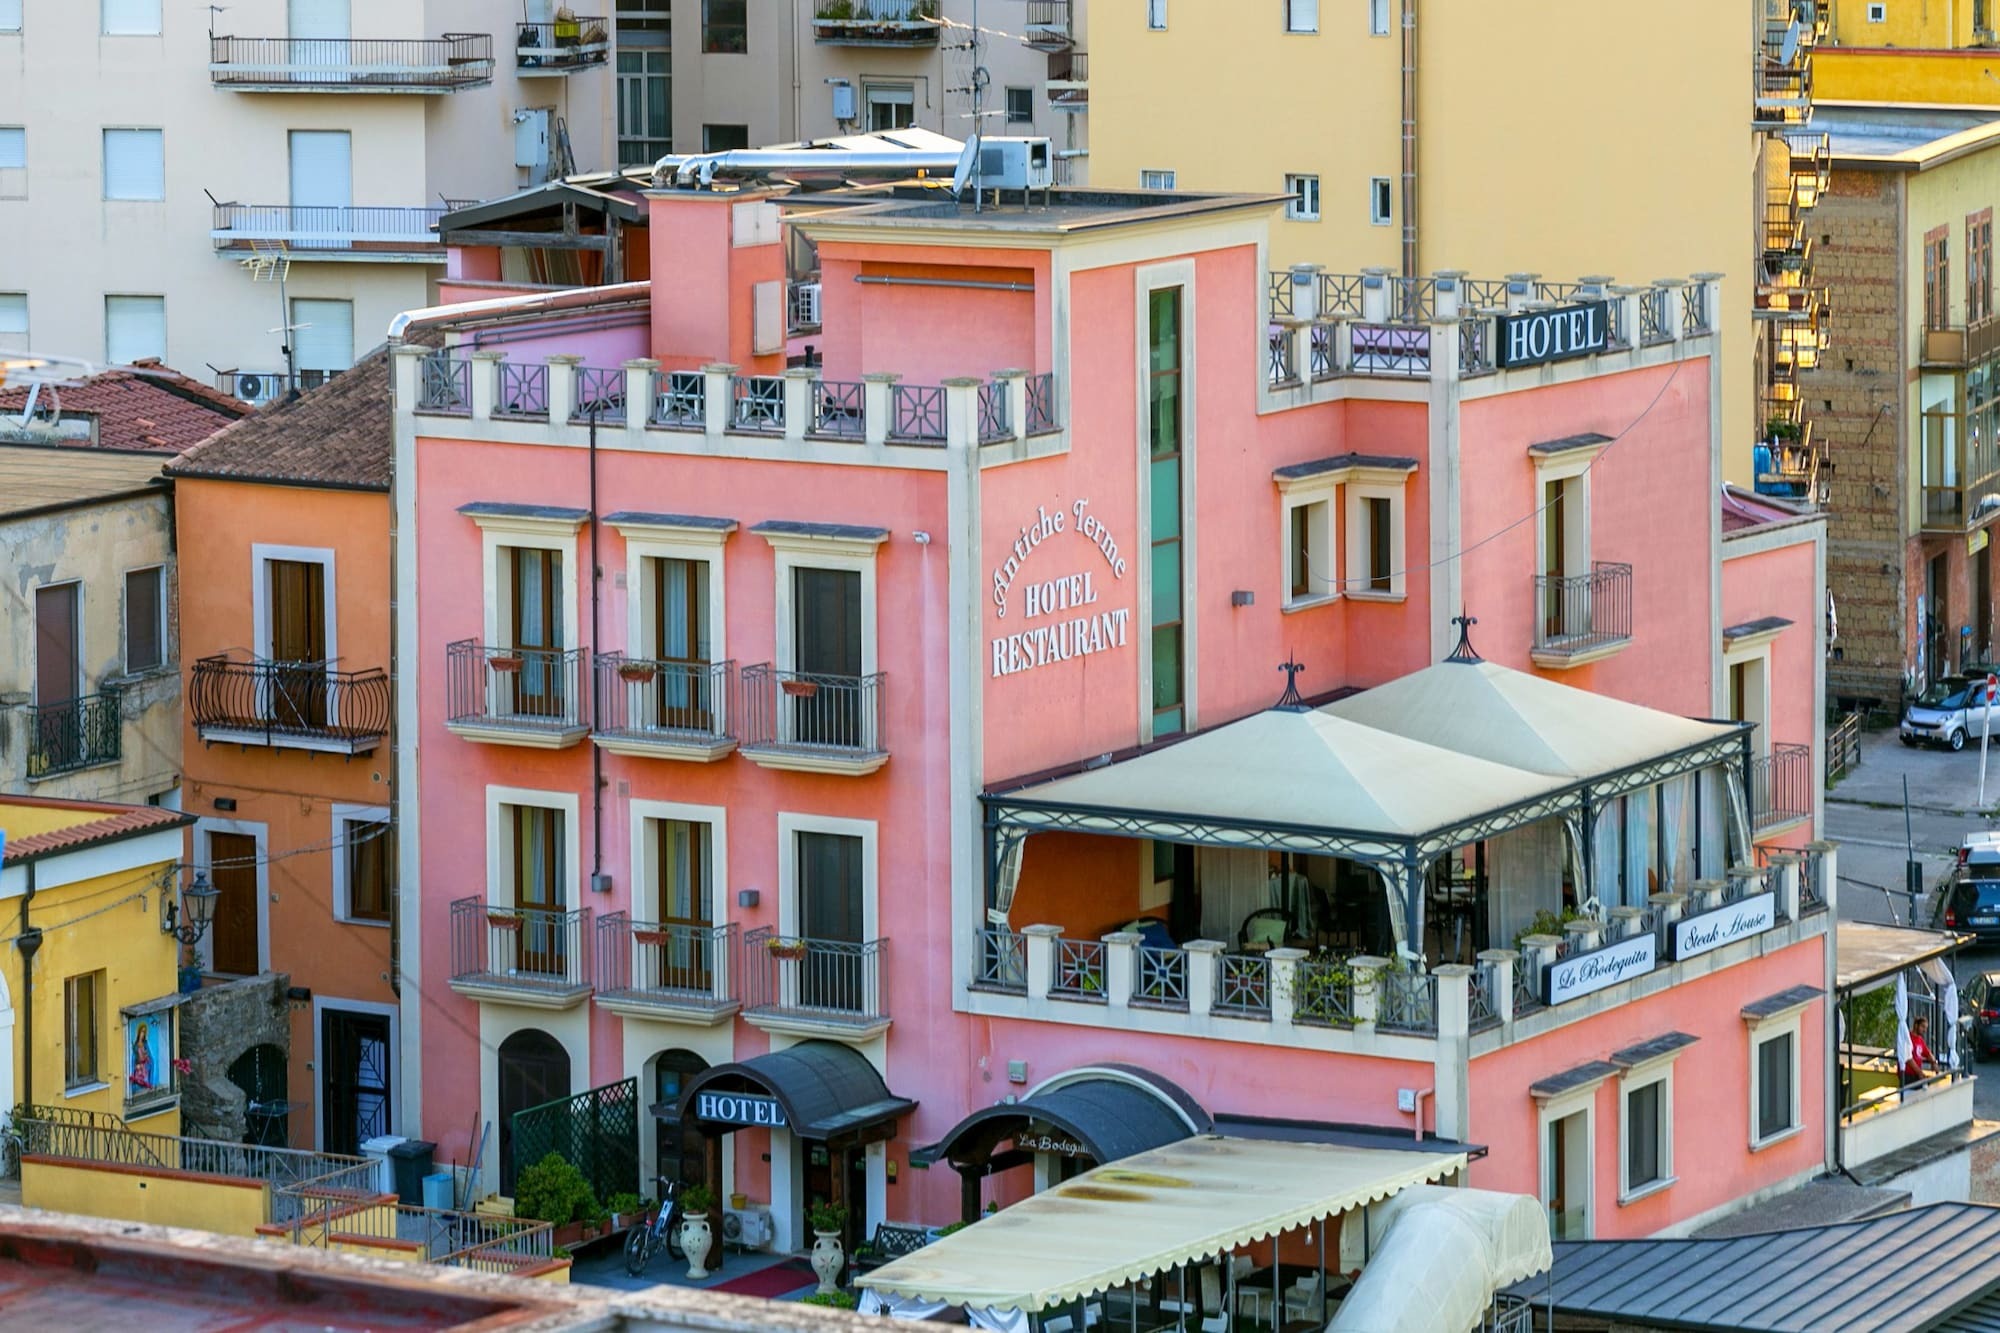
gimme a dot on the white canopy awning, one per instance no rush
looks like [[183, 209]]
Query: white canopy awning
[[1150, 1214], [1507, 716], [1435, 1256]]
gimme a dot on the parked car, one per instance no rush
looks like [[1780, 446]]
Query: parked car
[[1950, 712], [1972, 907], [1981, 1010]]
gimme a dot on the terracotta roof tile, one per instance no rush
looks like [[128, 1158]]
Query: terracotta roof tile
[[340, 434], [161, 412], [119, 821]]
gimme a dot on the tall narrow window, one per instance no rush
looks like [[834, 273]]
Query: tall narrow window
[[686, 905], [371, 860], [1937, 280], [297, 650], [536, 623], [1774, 1085], [1979, 266], [1165, 430], [1302, 552], [145, 619], [83, 999], [645, 81], [13, 162], [1381, 544], [826, 659], [1381, 204], [830, 915], [13, 321], [681, 644], [539, 878], [58, 650], [1378, 18], [1303, 206]]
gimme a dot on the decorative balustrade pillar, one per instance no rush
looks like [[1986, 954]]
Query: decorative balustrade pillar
[[716, 402], [1375, 295], [1498, 965], [562, 385], [1121, 960], [639, 373], [1584, 934], [1366, 971], [1627, 922], [1520, 291], [799, 382], [1784, 880], [1040, 943], [1538, 955], [961, 412], [876, 405], [1284, 986], [1204, 960], [485, 382], [1629, 301], [1014, 386], [1704, 895], [1305, 292], [1672, 309], [1667, 908]]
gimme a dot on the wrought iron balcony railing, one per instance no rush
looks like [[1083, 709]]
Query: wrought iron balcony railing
[[1002, 962], [1781, 786], [803, 719], [1069, 81], [561, 47], [498, 951], [667, 966], [74, 733], [522, 696], [1583, 616], [452, 63], [327, 229], [670, 708], [876, 22], [791, 981], [1047, 26], [303, 705]]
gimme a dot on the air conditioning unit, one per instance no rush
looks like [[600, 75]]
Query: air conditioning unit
[[747, 1228], [258, 387], [1016, 164]]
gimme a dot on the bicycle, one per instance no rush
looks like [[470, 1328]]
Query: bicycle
[[662, 1233]]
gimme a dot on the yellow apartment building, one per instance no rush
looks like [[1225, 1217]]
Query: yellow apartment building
[[1928, 52], [1509, 147], [88, 978]]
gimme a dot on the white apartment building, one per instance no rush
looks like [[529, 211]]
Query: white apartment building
[[190, 182]]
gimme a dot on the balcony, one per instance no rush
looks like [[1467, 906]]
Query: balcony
[[813, 723], [516, 955], [1784, 225], [897, 23], [453, 63], [1787, 458], [1781, 787], [1960, 476], [1783, 97], [1069, 81], [514, 696], [664, 710], [1800, 334], [1582, 618], [815, 988], [1048, 25], [563, 47], [288, 705], [681, 973], [74, 734], [329, 233], [1811, 165]]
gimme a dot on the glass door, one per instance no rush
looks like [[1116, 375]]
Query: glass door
[[537, 622], [830, 918], [538, 889], [687, 957], [680, 619], [825, 695]]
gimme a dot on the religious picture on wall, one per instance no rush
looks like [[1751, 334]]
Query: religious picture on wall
[[146, 1055]]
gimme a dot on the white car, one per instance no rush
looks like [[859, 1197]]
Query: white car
[[1950, 713]]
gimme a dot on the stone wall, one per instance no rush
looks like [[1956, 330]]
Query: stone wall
[[219, 1025], [1858, 404]]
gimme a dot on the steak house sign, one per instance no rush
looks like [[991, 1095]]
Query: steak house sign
[[1060, 612]]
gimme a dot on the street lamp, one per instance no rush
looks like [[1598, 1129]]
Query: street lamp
[[188, 920]]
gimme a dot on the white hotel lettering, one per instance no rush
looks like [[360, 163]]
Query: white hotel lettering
[[1069, 635]]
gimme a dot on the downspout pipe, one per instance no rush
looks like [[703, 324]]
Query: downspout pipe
[[588, 669], [28, 941], [1409, 138]]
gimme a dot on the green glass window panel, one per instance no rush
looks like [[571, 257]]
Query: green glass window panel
[[1164, 334], [1166, 498], [1167, 667], [1166, 415], [1163, 860], [1166, 583], [1168, 722]]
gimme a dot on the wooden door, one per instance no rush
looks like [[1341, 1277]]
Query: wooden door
[[686, 959], [58, 735], [297, 599], [537, 611], [233, 935], [538, 889]]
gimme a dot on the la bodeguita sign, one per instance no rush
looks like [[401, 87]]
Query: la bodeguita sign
[[739, 1108], [1738, 921], [1584, 974], [1060, 615], [1551, 335]]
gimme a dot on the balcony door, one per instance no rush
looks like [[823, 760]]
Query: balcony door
[[687, 905], [58, 674], [539, 876], [1566, 1183], [232, 859], [296, 591], [318, 30], [354, 1079], [830, 914], [322, 186], [684, 694], [536, 612], [826, 653]]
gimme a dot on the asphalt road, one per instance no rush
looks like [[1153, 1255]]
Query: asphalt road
[[1865, 814]]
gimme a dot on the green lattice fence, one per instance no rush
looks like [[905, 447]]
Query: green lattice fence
[[597, 1132]]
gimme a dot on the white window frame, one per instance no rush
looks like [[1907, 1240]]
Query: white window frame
[[642, 816], [1147, 280], [1583, 1099], [500, 846], [106, 29], [20, 335], [1006, 102], [109, 297], [104, 163], [1301, 16], [1323, 490], [889, 92], [546, 534], [10, 16], [98, 1079], [1784, 1024], [1367, 484], [1303, 206], [320, 1004], [1156, 15], [800, 551], [1156, 178], [1759, 653], [647, 542], [1381, 188], [1653, 1073], [344, 815], [125, 621], [204, 864], [1378, 18], [1878, 13], [261, 555], [1572, 467], [790, 825]]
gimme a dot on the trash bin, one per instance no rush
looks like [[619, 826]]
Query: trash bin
[[438, 1190], [377, 1149], [410, 1161]]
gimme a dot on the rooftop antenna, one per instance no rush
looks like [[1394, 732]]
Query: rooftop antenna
[[270, 261], [978, 92]]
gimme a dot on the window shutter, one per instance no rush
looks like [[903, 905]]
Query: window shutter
[[322, 170], [323, 334], [134, 327], [13, 147], [10, 15], [13, 319], [1304, 15], [131, 18], [317, 18], [135, 164], [143, 649]]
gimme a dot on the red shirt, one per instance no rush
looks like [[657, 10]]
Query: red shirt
[[1920, 1055]]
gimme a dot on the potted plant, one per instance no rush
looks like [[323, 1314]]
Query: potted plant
[[836, 1300], [506, 662], [788, 949], [627, 1210], [503, 920], [1779, 429], [828, 1219], [653, 935], [696, 1234], [637, 673], [739, 1201], [554, 1191]]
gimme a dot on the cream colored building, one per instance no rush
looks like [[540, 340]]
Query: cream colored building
[[147, 160], [1561, 138]]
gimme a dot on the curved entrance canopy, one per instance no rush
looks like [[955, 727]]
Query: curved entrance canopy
[[1104, 1115], [817, 1089]]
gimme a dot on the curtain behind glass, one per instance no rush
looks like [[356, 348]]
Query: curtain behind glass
[[1641, 851], [1714, 820], [1606, 854], [1676, 795]]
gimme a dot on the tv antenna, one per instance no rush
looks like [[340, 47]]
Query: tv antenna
[[270, 261]]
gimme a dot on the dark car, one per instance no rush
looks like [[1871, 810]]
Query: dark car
[[1982, 1014], [1973, 908]]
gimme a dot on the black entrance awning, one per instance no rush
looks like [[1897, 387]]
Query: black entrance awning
[[1107, 1117], [826, 1090]]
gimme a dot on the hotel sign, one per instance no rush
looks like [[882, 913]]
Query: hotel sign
[[1738, 921], [1060, 614], [1551, 335], [739, 1108], [1585, 974]]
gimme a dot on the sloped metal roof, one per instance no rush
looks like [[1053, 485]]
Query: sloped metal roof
[[1926, 1268]]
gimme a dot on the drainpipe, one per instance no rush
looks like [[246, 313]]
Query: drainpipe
[[587, 669], [1409, 138], [28, 941]]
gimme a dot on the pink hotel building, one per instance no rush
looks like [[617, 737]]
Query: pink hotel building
[[1034, 722]]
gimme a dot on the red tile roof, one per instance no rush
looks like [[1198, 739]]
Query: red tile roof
[[160, 412], [119, 821]]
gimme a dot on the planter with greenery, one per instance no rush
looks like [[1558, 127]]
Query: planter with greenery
[[837, 1300], [554, 1191], [829, 1220], [697, 1201]]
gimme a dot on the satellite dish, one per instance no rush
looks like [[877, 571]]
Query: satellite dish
[[1788, 49], [962, 173]]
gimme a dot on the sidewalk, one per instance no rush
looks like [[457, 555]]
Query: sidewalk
[[775, 1277]]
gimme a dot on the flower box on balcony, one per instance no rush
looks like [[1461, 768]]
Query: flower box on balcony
[[789, 950], [637, 673], [508, 662], [503, 921], [800, 689], [650, 936]]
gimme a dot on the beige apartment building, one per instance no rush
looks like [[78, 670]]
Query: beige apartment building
[[191, 183]]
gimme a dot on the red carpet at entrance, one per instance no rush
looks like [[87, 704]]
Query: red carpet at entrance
[[777, 1280]]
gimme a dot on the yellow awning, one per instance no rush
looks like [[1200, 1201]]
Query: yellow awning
[[1148, 1214]]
